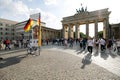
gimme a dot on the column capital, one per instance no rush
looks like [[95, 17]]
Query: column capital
[[77, 24], [96, 21]]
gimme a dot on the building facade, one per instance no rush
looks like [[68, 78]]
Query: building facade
[[7, 29], [47, 33], [115, 31]]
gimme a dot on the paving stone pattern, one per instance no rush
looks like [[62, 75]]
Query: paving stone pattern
[[51, 65]]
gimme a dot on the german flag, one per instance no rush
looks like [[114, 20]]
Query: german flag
[[28, 25]]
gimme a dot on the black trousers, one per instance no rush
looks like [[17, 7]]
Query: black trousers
[[90, 48], [103, 47], [118, 48]]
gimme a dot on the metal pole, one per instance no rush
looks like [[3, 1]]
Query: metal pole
[[39, 33]]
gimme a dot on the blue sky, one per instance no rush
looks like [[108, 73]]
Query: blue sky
[[52, 11]]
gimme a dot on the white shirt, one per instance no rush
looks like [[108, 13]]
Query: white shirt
[[90, 42], [102, 42], [118, 43]]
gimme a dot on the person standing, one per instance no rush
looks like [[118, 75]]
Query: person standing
[[7, 44], [90, 44], [118, 45], [102, 43], [97, 41], [65, 43]]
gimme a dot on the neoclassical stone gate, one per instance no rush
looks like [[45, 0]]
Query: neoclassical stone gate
[[86, 18]]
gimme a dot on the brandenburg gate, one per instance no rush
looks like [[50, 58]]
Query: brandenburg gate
[[85, 17]]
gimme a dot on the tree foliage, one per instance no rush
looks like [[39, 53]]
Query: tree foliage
[[100, 34]]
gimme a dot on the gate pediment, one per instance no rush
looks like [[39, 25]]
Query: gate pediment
[[99, 15]]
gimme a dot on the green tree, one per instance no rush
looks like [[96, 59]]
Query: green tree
[[82, 35], [100, 34]]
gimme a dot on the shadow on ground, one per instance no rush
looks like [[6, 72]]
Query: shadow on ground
[[11, 60], [86, 60]]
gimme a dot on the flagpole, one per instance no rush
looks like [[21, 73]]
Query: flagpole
[[39, 33]]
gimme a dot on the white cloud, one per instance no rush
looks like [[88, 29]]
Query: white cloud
[[18, 11], [51, 20], [50, 2], [15, 10], [4, 3], [30, 0]]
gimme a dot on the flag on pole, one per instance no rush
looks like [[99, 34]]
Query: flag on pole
[[28, 25], [39, 31]]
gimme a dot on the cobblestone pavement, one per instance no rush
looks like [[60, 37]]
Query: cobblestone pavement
[[55, 63], [109, 60]]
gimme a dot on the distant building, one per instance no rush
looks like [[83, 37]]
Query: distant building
[[115, 31], [7, 29], [47, 33]]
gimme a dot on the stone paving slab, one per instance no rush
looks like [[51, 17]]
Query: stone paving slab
[[109, 61], [51, 65]]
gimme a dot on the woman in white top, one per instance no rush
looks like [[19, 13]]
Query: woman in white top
[[102, 43], [118, 45], [90, 45]]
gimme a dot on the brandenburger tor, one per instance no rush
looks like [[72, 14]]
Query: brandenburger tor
[[84, 17]]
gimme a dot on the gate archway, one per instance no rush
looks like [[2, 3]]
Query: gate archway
[[86, 18]]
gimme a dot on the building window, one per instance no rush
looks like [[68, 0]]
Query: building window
[[12, 33], [1, 28], [1, 24], [12, 30], [1, 33], [6, 29], [6, 33], [1, 38], [7, 24]]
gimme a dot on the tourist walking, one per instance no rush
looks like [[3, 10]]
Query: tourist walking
[[7, 44], [97, 41], [102, 44], [109, 44], [84, 41], [65, 43], [118, 45], [90, 44], [71, 42]]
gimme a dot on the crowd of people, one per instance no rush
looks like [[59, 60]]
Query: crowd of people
[[11, 44], [84, 43], [90, 43]]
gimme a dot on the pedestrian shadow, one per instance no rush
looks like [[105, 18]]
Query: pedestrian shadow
[[104, 55], [11, 60], [96, 53], [112, 54], [118, 53], [80, 51], [86, 60]]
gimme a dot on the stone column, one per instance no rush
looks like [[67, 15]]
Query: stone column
[[87, 29], [119, 33], [44, 34], [71, 31], [106, 28], [65, 31], [96, 29], [77, 32]]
